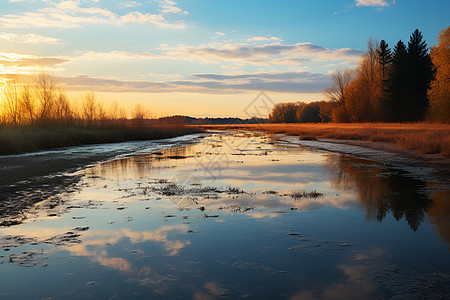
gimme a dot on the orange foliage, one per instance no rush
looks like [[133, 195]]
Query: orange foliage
[[439, 93]]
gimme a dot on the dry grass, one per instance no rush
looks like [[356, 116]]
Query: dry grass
[[423, 137]]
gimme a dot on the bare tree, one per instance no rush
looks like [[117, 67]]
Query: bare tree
[[45, 87], [88, 106], [341, 79], [28, 102], [63, 109], [10, 101], [139, 113]]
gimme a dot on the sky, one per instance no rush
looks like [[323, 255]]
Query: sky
[[203, 57]]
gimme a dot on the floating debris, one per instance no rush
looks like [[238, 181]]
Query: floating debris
[[304, 194]]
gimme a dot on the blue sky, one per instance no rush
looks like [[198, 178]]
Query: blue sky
[[203, 57]]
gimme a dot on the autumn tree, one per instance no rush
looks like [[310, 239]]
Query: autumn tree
[[310, 113], [336, 93], [439, 93], [285, 112]]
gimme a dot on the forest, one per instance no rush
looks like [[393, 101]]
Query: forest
[[409, 83]]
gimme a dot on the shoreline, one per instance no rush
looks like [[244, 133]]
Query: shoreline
[[29, 139], [422, 137], [426, 167], [26, 179]]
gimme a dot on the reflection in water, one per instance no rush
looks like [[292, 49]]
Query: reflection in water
[[439, 214], [381, 191], [219, 219]]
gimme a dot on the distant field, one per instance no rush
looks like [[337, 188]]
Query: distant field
[[422, 137]]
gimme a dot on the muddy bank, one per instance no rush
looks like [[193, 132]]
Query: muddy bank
[[428, 167], [29, 178]]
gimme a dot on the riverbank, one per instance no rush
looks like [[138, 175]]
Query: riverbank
[[23, 139], [421, 137], [26, 179]]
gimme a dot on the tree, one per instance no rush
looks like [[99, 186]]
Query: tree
[[397, 86], [28, 102], [45, 91], [89, 107], [336, 93], [285, 112], [363, 95], [309, 113], [10, 102], [439, 93], [384, 58], [421, 72]]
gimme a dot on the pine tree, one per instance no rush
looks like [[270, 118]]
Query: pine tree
[[421, 73], [397, 84], [384, 57], [409, 78]]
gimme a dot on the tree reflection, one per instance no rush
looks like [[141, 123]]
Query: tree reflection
[[439, 214], [381, 191]]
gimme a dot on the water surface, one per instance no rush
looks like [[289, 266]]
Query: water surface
[[237, 215]]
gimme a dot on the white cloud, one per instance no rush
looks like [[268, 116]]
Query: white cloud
[[169, 6], [263, 55], [263, 38], [371, 3], [29, 38], [220, 33], [131, 4], [70, 14]]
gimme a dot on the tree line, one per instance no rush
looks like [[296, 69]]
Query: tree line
[[41, 101], [405, 84]]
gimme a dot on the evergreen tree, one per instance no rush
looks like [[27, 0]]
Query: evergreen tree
[[384, 57], [410, 75], [397, 84], [421, 73]]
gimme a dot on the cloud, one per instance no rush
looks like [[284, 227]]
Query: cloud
[[70, 14], [13, 63], [263, 54], [30, 39], [169, 6], [131, 4], [371, 3], [259, 55], [282, 82], [263, 38]]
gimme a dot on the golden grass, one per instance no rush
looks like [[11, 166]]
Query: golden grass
[[430, 138]]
